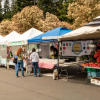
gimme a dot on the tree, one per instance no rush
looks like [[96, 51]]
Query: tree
[[7, 14], [0, 11], [47, 6], [33, 17], [20, 4], [82, 12], [62, 12], [6, 6], [13, 7]]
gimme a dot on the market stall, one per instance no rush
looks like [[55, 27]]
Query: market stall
[[45, 46], [21, 41], [82, 42], [4, 49]]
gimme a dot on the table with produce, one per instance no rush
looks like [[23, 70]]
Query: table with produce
[[93, 68]]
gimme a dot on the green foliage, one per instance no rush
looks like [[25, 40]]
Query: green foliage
[[20, 4], [0, 11], [63, 12], [47, 6], [6, 7], [59, 8], [16, 6], [7, 19], [13, 7], [7, 15]]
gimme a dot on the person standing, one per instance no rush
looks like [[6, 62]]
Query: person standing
[[55, 52], [15, 57], [97, 55], [35, 59], [19, 61]]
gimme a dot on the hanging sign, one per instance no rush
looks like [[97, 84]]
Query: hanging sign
[[77, 48], [17, 43]]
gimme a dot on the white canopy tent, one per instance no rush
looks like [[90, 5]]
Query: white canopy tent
[[97, 18], [3, 44], [1, 37], [10, 36], [85, 32], [22, 40]]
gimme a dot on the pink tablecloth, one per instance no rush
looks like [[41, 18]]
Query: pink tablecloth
[[47, 65], [44, 64]]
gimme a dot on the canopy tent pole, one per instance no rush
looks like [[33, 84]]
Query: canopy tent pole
[[38, 49], [58, 60], [7, 62], [27, 58]]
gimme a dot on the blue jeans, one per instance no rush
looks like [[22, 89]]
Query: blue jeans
[[20, 63], [15, 67], [35, 65]]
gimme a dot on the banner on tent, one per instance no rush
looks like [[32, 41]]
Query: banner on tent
[[17, 43], [77, 48]]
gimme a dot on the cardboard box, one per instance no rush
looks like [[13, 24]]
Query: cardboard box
[[93, 80], [97, 81]]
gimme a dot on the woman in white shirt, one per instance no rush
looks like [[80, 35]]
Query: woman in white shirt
[[35, 59]]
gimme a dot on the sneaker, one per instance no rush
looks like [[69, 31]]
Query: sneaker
[[16, 76], [22, 76], [39, 75], [35, 76]]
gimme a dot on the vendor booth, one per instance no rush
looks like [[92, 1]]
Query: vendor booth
[[21, 41], [46, 62], [82, 43], [4, 49]]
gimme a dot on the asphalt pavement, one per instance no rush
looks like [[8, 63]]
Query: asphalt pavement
[[43, 88]]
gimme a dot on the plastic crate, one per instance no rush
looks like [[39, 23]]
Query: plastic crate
[[92, 73]]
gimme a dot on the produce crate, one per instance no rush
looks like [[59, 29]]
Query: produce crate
[[92, 73], [98, 72], [91, 69]]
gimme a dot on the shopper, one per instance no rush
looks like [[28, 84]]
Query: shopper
[[97, 55], [19, 62], [15, 58], [35, 59]]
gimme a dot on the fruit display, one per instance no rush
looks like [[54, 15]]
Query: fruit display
[[91, 64]]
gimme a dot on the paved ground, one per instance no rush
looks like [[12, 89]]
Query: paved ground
[[43, 88]]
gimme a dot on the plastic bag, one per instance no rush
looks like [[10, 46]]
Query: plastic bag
[[29, 68]]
